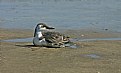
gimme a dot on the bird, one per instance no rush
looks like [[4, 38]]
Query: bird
[[45, 37]]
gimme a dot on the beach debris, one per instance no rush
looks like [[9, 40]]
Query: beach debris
[[82, 35], [98, 72], [106, 29]]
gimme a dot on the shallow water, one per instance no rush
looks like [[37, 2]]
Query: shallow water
[[71, 14], [74, 46], [73, 40], [18, 40], [95, 39], [94, 56]]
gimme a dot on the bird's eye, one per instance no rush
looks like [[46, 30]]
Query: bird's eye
[[42, 26]]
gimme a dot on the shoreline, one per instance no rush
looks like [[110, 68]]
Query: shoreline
[[80, 33], [90, 57]]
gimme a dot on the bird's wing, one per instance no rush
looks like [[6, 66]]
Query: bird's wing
[[55, 37]]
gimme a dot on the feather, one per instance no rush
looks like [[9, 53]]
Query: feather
[[55, 37]]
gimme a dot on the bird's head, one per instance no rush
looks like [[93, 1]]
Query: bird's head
[[43, 26]]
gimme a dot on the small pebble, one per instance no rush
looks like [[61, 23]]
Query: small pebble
[[4, 57], [82, 35]]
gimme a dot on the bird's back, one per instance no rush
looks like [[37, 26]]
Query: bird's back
[[55, 37]]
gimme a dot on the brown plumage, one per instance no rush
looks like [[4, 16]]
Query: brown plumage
[[55, 38]]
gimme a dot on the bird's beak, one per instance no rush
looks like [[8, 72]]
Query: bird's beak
[[49, 27]]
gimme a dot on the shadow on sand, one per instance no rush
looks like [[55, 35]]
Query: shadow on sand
[[32, 47], [28, 46]]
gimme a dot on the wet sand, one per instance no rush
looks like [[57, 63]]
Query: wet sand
[[25, 58]]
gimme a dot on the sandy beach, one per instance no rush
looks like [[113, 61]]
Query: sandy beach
[[90, 57]]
